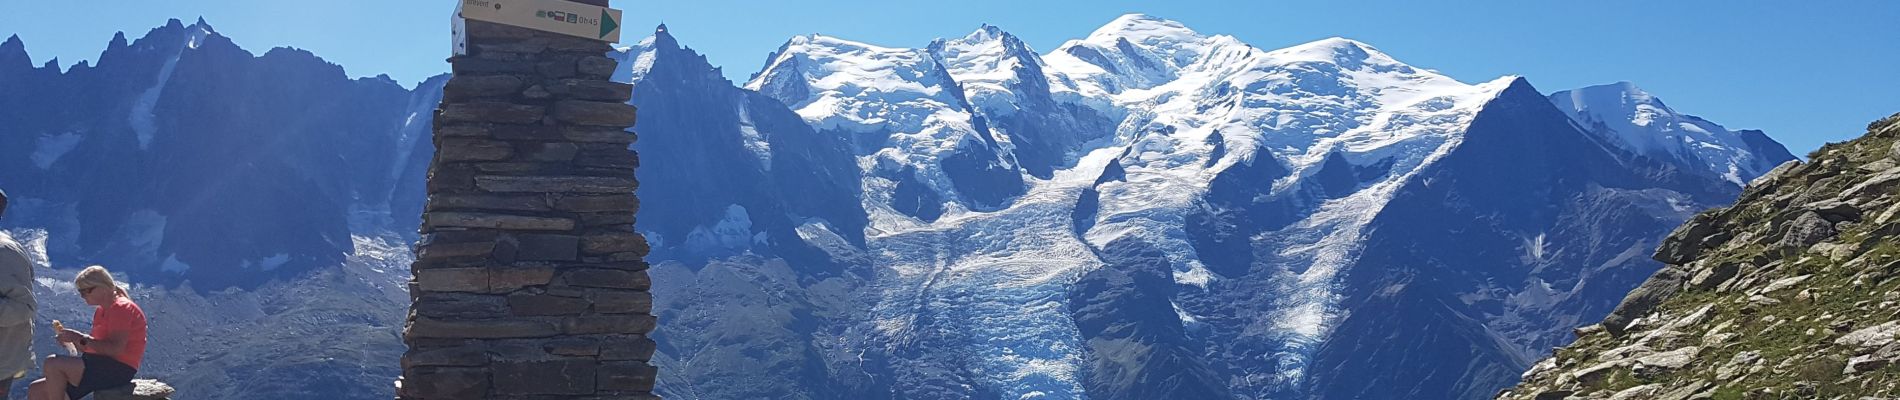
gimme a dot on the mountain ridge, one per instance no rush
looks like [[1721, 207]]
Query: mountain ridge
[[978, 220], [1167, 151]]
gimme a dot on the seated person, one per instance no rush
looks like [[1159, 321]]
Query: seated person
[[111, 353]]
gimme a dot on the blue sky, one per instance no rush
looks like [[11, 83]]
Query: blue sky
[[1805, 72]]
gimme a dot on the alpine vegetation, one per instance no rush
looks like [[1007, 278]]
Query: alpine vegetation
[[1791, 292]]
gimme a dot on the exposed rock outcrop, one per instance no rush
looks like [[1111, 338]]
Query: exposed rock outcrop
[[1793, 292]]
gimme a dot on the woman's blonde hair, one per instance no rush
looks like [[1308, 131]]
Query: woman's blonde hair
[[97, 277]]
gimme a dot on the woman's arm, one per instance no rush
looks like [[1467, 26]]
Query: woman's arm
[[107, 346]]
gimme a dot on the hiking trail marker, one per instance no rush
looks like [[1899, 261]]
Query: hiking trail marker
[[558, 16], [530, 280]]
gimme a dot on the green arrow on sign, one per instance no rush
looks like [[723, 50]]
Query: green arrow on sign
[[607, 24]]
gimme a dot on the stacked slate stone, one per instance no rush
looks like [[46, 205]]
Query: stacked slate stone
[[529, 281]]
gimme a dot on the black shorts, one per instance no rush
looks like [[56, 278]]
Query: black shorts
[[102, 373]]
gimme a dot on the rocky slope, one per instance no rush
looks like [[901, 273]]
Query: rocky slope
[[1793, 292]]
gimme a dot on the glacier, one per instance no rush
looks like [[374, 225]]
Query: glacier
[[1258, 181], [1144, 212]]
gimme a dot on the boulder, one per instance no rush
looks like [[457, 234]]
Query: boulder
[[1835, 210], [1553, 395], [1806, 230], [140, 389], [1548, 364], [1645, 298], [1768, 180], [1881, 183], [1688, 241], [1597, 374], [1864, 364], [1656, 363], [1710, 278], [1785, 283], [1587, 330], [1872, 337], [1738, 365], [1692, 391], [1640, 392]]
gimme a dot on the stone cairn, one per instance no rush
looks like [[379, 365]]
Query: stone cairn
[[529, 280]]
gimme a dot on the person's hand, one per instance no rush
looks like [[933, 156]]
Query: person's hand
[[70, 336]]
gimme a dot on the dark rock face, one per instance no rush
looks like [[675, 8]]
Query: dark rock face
[[1536, 175], [1139, 347], [1237, 208], [409, 171], [1088, 204], [732, 185], [1763, 146], [181, 157], [977, 177], [715, 152], [914, 198], [1336, 177]]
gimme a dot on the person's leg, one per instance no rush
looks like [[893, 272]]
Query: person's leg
[[37, 390], [6, 388], [62, 373]]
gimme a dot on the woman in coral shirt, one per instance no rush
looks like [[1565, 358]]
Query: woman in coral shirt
[[111, 353]]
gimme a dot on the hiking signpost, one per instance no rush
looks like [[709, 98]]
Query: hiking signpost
[[545, 302], [558, 16]]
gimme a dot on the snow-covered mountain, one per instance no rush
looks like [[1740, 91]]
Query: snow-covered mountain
[[1642, 124], [1009, 88], [757, 231], [1179, 215], [1147, 212], [926, 152], [728, 171]]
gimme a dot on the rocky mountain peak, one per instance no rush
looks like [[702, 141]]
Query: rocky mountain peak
[[13, 45], [13, 54]]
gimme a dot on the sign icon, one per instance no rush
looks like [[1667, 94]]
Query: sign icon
[[607, 24]]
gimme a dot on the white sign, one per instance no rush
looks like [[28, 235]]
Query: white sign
[[458, 33], [558, 16]]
